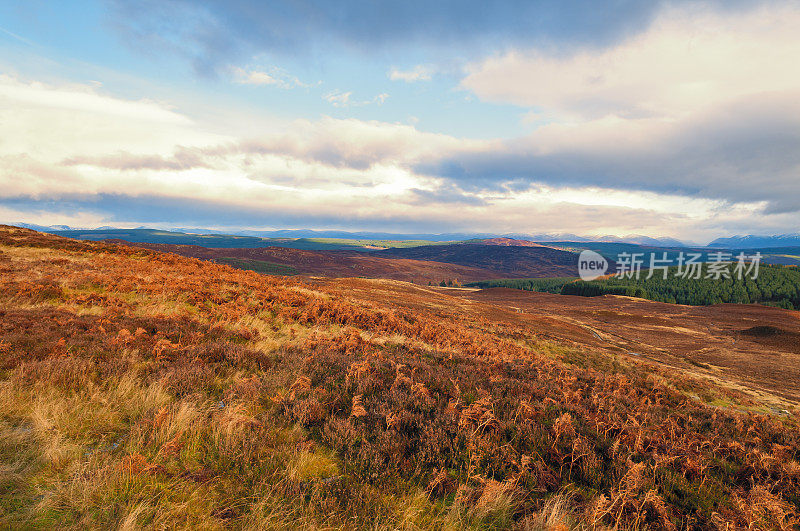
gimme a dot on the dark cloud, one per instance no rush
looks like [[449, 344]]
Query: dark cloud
[[212, 33], [157, 209], [746, 151], [152, 210]]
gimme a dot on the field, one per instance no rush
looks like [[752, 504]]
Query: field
[[139, 388]]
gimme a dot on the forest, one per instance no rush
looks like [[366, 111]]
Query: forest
[[543, 285], [774, 286]]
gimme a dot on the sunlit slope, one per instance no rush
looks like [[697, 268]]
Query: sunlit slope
[[145, 389]]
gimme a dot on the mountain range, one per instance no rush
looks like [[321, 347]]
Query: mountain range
[[753, 242], [364, 235], [732, 242]]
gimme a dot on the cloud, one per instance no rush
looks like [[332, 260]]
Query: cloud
[[353, 143], [275, 77], [182, 159], [688, 60], [339, 98], [211, 33], [22, 175], [335, 173], [83, 98], [53, 122], [254, 77], [532, 213], [418, 73], [704, 104], [77, 153], [72, 144], [745, 151]]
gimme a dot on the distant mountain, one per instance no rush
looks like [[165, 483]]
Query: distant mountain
[[549, 237], [506, 242], [753, 242], [162, 236], [363, 235], [41, 228], [202, 231], [643, 240], [566, 237], [339, 234]]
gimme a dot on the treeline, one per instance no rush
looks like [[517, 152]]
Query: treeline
[[774, 286], [543, 285]]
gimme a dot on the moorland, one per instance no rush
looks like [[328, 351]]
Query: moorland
[[143, 388]]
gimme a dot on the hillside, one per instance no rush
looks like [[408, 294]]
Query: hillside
[[746, 346], [333, 263], [509, 260], [139, 388]]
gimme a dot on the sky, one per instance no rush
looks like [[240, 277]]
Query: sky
[[675, 119]]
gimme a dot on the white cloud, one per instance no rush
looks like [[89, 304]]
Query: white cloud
[[255, 78], [50, 123], [74, 144], [356, 143], [85, 99], [275, 77], [702, 103], [418, 73], [338, 98], [688, 60]]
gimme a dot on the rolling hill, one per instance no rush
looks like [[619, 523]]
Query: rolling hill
[[466, 262], [145, 389], [332, 263], [508, 260]]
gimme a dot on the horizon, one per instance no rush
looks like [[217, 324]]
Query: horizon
[[268, 233], [658, 119]]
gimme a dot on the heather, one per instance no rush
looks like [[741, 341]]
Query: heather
[[140, 388]]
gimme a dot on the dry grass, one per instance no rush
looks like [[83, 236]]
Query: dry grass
[[139, 389]]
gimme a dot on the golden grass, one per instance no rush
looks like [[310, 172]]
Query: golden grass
[[158, 392]]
